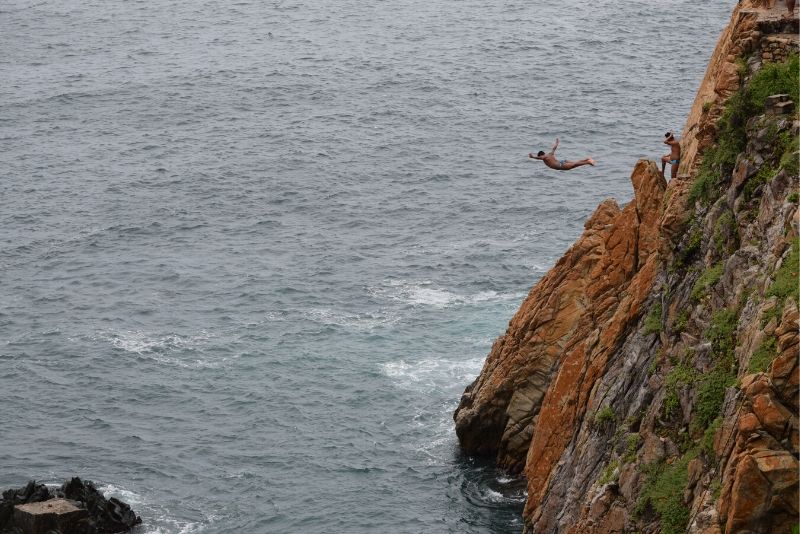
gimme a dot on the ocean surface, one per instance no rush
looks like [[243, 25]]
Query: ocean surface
[[252, 252]]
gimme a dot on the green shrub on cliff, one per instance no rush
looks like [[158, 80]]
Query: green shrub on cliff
[[691, 248], [772, 313], [663, 491], [774, 79], [786, 279], [723, 228], [784, 156], [763, 355], [786, 284], [707, 281], [719, 160], [678, 376], [655, 362], [710, 396], [631, 446], [791, 163], [708, 438], [771, 79], [609, 474], [789, 145], [721, 334], [604, 415], [711, 386], [652, 323], [681, 322], [764, 175], [705, 183]]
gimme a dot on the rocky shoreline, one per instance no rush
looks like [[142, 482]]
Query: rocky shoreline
[[77, 507]]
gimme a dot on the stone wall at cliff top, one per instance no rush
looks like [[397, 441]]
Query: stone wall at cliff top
[[649, 381]]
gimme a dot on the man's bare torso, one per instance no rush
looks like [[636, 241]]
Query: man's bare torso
[[551, 161]]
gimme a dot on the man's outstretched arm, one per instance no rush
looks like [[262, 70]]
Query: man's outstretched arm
[[555, 146]]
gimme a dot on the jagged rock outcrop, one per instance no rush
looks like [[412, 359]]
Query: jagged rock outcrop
[[649, 381], [79, 508], [565, 330]]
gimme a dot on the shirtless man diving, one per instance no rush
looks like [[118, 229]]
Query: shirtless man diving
[[550, 160], [674, 156]]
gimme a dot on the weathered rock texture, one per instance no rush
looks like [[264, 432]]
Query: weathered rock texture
[[649, 381], [55, 515], [77, 507], [560, 339]]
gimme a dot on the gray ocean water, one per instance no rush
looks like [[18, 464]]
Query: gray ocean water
[[252, 252]]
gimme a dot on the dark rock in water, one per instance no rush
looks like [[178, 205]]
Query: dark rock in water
[[108, 515], [54, 515], [77, 508]]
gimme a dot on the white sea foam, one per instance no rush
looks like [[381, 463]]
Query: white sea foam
[[494, 496], [129, 497], [425, 293], [143, 342], [438, 445], [432, 372], [415, 293], [173, 526], [156, 519], [435, 422], [198, 363], [274, 316], [159, 347], [351, 321]]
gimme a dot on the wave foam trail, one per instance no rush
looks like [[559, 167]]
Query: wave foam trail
[[127, 496], [425, 293], [141, 342], [351, 321], [158, 347], [156, 519], [432, 373]]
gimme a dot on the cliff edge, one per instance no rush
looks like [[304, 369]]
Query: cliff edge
[[649, 381]]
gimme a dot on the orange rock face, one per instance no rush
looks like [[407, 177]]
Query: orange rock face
[[538, 377], [620, 282], [760, 492]]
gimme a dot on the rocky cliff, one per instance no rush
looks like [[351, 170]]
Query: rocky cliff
[[649, 381]]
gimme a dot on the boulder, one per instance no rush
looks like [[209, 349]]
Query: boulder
[[60, 515]]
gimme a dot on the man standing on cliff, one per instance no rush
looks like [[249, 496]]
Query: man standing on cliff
[[550, 160], [674, 156]]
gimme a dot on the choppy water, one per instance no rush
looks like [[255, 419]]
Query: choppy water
[[251, 253]]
